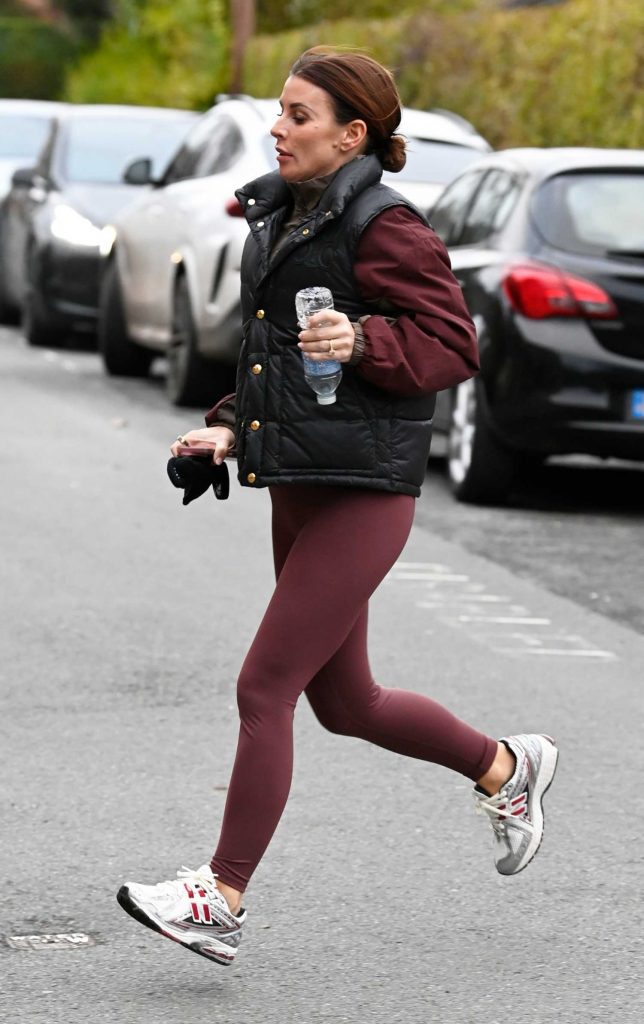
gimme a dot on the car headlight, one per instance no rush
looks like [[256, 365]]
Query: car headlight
[[72, 227], [107, 240]]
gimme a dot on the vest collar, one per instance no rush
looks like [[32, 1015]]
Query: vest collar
[[269, 193]]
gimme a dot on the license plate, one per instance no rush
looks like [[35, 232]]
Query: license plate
[[636, 405]]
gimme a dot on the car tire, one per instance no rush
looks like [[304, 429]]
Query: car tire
[[40, 328], [480, 468], [9, 314], [191, 380], [121, 356]]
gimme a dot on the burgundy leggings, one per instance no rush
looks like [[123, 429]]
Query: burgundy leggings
[[332, 547]]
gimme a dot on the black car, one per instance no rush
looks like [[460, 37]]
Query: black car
[[24, 127], [548, 246], [52, 219]]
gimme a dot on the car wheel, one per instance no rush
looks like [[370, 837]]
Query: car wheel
[[191, 379], [121, 356], [9, 314], [40, 328], [480, 469]]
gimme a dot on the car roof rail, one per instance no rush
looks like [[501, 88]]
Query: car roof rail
[[455, 118], [222, 97]]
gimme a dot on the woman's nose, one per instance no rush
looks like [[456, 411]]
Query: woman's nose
[[277, 128]]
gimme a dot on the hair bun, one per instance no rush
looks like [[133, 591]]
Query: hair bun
[[393, 155]]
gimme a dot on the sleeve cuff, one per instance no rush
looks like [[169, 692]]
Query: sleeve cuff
[[222, 413], [359, 343]]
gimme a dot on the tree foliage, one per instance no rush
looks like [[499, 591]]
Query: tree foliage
[[570, 74], [281, 15], [159, 52], [33, 58], [88, 16]]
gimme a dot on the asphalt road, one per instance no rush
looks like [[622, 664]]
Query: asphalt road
[[125, 618]]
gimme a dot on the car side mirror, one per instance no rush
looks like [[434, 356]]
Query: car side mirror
[[24, 177], [139, 172]]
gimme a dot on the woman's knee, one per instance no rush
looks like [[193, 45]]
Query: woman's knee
[[255, 696]]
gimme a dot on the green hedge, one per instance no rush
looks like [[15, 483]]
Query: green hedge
[[545, 76], [277, 16], [163, 54], [33, 59]]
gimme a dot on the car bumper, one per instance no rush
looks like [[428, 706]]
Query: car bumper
[[70, 284], [555, 390]]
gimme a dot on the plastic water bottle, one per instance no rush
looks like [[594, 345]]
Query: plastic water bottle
[[322, 375]]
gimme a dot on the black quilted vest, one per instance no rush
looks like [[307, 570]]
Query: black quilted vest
[[369, 437]]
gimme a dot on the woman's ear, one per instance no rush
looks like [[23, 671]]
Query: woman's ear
[[355, 133]]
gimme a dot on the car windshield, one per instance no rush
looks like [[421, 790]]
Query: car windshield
[[592, 212], [22, 136], [435, 163], [98, 149]]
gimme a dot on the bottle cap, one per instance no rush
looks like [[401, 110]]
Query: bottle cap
[[326, 399]]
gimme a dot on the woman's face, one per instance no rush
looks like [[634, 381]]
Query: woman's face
[[309, 141]]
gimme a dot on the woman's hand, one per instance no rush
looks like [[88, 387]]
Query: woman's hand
[[219, 438], [329, 336]]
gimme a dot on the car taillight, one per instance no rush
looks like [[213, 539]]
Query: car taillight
[[234, 208], [538, 291]]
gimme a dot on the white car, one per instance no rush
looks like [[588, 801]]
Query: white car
[[171, 279], [440, 145]]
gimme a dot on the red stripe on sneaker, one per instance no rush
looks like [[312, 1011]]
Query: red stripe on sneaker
[[519, 804]]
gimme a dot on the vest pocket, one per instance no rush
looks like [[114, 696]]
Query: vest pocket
[[337, 446]]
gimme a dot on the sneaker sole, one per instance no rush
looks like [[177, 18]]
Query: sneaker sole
[[546, 775], [211, 949]]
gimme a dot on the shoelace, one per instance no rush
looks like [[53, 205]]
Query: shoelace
[[188, 875], [495, 807], [206, 882]]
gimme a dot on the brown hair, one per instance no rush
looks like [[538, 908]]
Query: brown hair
[[359, 88]]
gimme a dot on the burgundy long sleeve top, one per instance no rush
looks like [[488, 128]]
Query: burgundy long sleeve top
[[433, 345]]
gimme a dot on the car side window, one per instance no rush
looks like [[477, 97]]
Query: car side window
[[491, 207], [224, 146], [193, 151], [448, 215]]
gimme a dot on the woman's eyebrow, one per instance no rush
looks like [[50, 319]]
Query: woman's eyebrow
[[297, 104]]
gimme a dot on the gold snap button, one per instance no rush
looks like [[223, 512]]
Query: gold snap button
[[257, 368], [255, 425], [251, 478], [260, 314], [306, 231]]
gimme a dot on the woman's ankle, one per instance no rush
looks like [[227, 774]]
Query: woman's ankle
[[500, 771], [232, 896]]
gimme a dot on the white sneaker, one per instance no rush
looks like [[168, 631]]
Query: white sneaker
[[190, 911], [516, 812]]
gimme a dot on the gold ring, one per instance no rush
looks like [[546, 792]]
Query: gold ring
[[331, 349]]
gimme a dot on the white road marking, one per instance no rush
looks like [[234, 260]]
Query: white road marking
[[50, 940], [461, 602], [506, 619]]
